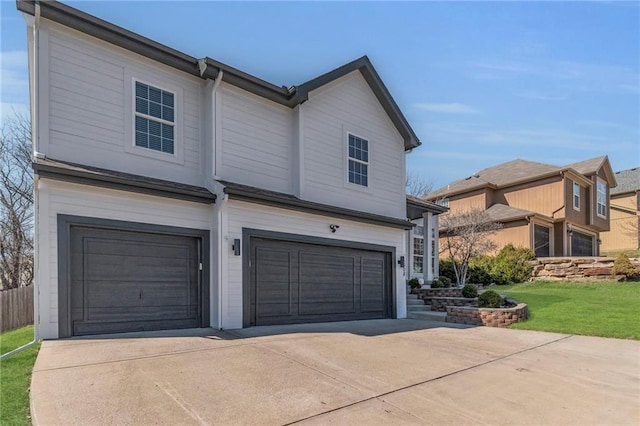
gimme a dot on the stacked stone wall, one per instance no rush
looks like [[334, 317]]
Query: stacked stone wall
[[574, 268], [492, 317], [439, 304]]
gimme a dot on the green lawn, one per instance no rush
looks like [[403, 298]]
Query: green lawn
[[607, 309], [15, 376]]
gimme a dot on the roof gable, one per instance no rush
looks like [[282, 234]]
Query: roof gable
[[628, 181], [210, 68]]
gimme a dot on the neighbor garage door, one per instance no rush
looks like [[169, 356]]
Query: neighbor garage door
[[130, 281], [292, 282]]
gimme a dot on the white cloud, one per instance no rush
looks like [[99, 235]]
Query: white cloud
[[447, 108]]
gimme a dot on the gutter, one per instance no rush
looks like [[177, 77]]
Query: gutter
[[36, 205]]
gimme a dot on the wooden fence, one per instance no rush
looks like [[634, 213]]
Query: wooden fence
[[16, 308]]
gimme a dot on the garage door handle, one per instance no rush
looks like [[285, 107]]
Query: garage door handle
[[140, 295]]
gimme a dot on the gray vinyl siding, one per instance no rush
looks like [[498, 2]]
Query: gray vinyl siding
[[255, 140], [90, 115], [349, 106]]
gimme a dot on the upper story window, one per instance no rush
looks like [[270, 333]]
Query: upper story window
[[154, 118], [358, 160], [602, 199], [444, 202], [576, 196]]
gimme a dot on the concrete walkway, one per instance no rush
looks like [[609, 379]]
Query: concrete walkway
[[362, 372]]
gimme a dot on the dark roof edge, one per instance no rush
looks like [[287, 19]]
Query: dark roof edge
[[381, 92], [315, 208], [122, 183], [429, 206], [89, 24], [96, 27]]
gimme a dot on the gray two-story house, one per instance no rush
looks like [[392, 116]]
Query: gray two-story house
[[174, 191]]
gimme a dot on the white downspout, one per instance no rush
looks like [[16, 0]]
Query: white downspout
[[35, 134]]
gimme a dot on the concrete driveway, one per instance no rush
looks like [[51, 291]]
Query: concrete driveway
[[362, 372]]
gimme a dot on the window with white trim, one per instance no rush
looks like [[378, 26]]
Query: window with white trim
[[418, 250], [601, 198], [154, 118], [576, 196], [358, 160], [444, 202]]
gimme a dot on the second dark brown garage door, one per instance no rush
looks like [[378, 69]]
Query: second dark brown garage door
[[292, 282]]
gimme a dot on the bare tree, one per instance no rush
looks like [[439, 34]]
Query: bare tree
[[631, 229], [417, 186], [467, 234], [16, 203]]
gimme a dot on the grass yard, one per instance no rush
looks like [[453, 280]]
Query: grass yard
[[15, 376], [607, 309]]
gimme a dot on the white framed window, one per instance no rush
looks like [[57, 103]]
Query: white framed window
[[444, 202], [601, 198], [154, 118], [418, 255], [358, 156], [576, 196]]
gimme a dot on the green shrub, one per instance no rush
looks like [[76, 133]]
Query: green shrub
[[446, 281], [469, 291], [446, 269], [414, 283], [489, 299], [623, 266], [437, 283], [480, 270], [511, 265]]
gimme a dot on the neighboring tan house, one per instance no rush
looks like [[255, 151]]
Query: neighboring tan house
[[176, 192], [554, 210], [625, 213]]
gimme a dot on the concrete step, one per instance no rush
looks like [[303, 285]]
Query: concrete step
[[415, 301], [428, 316], [418, 308]]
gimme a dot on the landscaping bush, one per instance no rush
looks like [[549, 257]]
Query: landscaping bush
[[446, 281], [437, 283], [469, 291], [446, 269], [511, 265], [480, 270], [489, 299], [623, 266], [414, 283]]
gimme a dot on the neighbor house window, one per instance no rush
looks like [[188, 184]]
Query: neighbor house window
[[444, 202], [576, 196], [358, 160], [581, 244], [541, 241], [154, 118], [602, 199]]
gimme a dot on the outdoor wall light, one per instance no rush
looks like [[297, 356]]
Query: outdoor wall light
[[236, 246], [334, 227], [401, 261]]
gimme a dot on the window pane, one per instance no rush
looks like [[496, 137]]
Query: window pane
[[167, 131], [541, 241], [155, 143], [155, 110], [142, 139], [167, 99], [141, 124], [581, 244], [142, 106], [142, 90], [154, 128], [167, 113], [167, 146], [155, 94]]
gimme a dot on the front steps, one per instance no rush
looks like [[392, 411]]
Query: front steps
[[416, 309]]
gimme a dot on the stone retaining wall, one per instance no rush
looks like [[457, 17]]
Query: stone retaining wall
[[440, 304], [573, 268], [428, 293], [492, 317]]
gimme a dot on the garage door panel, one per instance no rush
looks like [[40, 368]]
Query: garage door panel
[[138, 280], [295, 282]]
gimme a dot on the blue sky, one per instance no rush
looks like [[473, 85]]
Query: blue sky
[[480, 82]]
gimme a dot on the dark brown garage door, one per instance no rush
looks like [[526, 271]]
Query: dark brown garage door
[[297, 282], [131, 281]]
